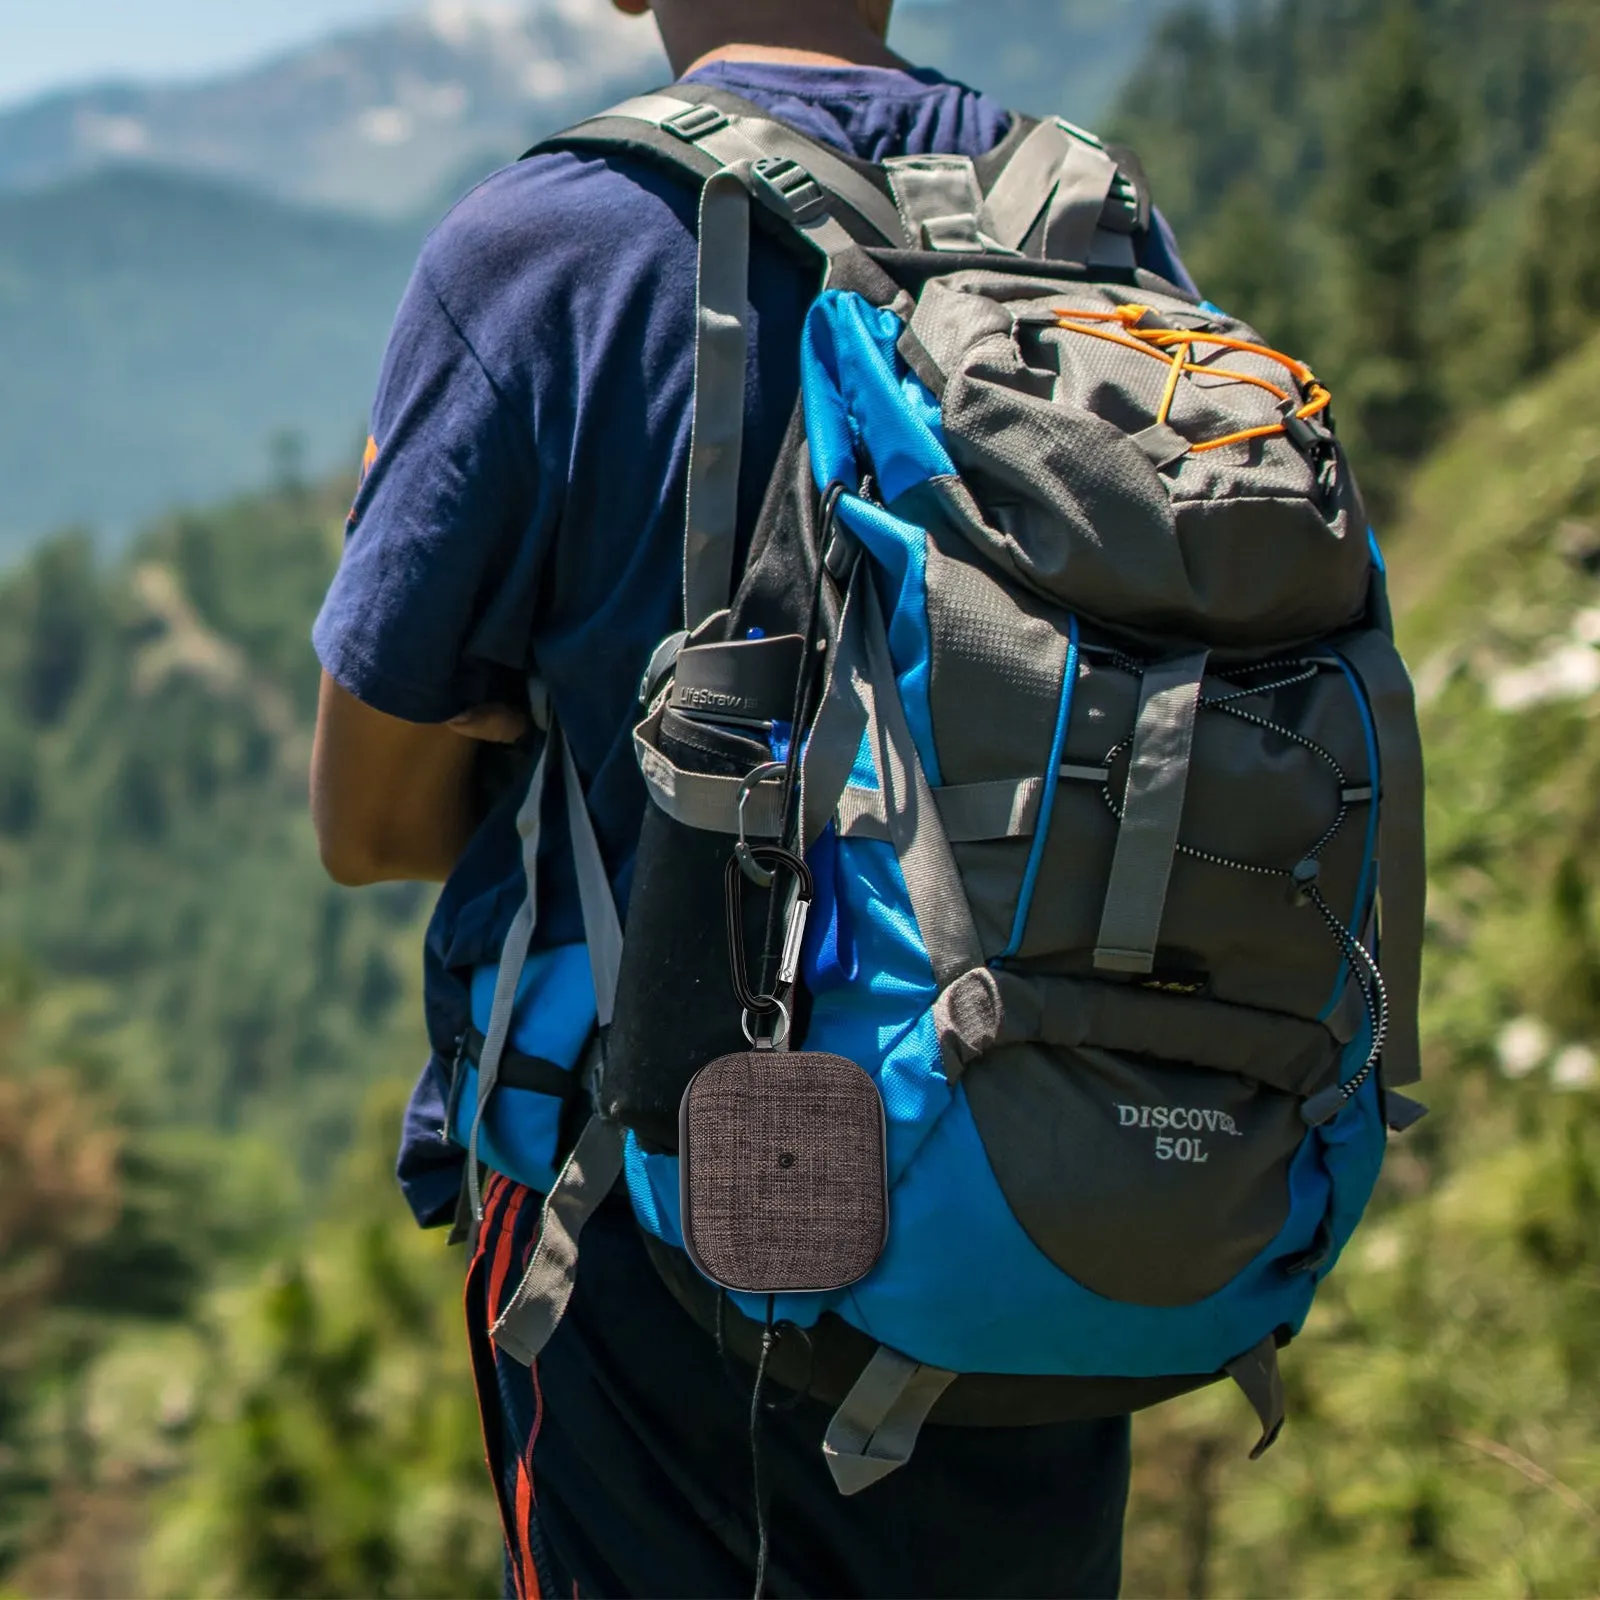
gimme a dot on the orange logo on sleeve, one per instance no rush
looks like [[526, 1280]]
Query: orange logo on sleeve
[[368, 457]]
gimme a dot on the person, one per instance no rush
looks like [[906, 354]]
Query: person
[[522, 506]]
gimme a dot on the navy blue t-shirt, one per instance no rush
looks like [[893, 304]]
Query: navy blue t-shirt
[[522, 509]]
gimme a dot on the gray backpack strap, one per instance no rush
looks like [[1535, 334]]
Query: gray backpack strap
[[725, 131], [737, 155], [1402, 845], [542, 1297], [514, 953], [592, 1170], [1257, 1375], [1065, 197], [875, 1430], [721, 358], [1152, 812]]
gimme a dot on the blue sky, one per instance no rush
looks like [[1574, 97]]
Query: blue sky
[[45, 44]]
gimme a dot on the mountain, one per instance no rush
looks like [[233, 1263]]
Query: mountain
[[386, 119], [377, 120], [158, 330], [188, 272]]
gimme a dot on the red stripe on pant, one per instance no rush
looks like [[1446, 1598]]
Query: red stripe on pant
[[503, 1204], [503, 1201]]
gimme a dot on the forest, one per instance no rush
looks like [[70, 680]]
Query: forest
[[228, 1362]]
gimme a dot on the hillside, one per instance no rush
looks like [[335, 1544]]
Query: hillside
[[157, 332], [228, 1363], [191, 968]]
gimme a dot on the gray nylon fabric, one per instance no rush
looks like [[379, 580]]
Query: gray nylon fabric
[[541, 1298], [1152, 814], [1261, 1381], [933, 881], [875, 1430], [1402, 845], [985, 1011], [1152, 1183], [939, 200], [721, 359], [946, 326], [1231, 548], [1253, 797]]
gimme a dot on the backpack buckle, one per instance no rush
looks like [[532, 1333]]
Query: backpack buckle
[[694, 123], [791, 190]]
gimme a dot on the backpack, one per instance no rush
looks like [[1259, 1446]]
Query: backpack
[[1061, 656]]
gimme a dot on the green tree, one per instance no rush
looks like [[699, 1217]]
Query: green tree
[[1396, 207]]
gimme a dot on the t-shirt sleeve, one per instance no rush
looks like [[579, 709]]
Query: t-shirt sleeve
[[440, 530], [1161, 255]]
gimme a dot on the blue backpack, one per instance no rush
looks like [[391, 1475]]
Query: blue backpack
[[1061, 660]]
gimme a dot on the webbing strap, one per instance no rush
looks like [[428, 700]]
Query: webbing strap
[[933, 881], [1018, 196], [602, 927], [1002, 808], [1261, 1382], [736, 137], [535, 1310], [1402, 845], [704, 800], [1152, 812], [1079, 202], [513, 957], [939, 200], [764, 139], [841, 720], [1064, 179], [721, 356], [875, 1430]]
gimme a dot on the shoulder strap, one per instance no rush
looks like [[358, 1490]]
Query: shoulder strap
[[1062, 195], [734, 154], [699, 130]]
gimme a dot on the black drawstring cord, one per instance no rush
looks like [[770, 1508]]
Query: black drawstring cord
[[769, 1338]]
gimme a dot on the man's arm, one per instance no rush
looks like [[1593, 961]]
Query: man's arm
[[393, 800]]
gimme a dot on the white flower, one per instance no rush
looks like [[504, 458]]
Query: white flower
[[1523, 1046], [1575, 1068]]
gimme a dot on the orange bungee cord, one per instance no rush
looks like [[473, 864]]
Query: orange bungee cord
[[1181, 342]]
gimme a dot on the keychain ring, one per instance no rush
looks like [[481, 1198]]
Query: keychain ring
[[752, 869], [780, 1034]]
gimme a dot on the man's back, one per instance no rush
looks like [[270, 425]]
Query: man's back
[[524, 510]]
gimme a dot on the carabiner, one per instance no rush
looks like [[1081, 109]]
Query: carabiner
[[743, 852]]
